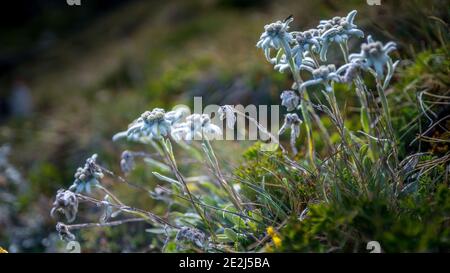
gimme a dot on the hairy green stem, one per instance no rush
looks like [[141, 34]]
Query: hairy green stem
[[182, 180]]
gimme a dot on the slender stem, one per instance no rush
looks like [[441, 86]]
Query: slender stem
[[344, 49], [315, 59], [387, 117], [182, 180], [108, 224], [273, 138], [121, 179], [305, 108], [236, 200], [218, 209], [361, 93], [348, 151], [308, 127], [131, 210], [323, 130], [262, 129], [117, 200], [384, 104]]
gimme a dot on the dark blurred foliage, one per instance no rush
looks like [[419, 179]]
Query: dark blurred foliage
[[28, 27]]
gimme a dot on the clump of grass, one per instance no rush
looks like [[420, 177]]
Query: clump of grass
[[359, 187]]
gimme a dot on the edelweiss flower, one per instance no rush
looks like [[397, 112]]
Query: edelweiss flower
[[306, 41], [275, 36], [151, 124], [351, 71], [322, 75], [67, 203], [87, 176], [337, 30], [289, 100], [227, 112], [374, 55], [293, 122], [196, 127]]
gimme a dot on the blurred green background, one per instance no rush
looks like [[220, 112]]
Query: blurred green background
[[72, 76]]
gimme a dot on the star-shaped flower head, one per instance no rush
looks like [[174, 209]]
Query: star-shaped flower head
[[351, 70], [337, 30], [66, 202], [87, 176], [293, 122], [374, 55], [306, 41], [289, 99], [324, 75], [153, 124], [196, 127], [275, 36]]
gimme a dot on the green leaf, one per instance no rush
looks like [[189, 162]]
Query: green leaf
[[155, 163], [171, 247], [223, 238], [155, 230], [365, 120], [231, 234], [279, 54], [165, 178], [169, 149]]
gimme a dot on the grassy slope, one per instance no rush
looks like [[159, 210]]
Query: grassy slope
[[145, 55]]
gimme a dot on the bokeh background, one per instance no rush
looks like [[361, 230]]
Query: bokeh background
[[72, 76]]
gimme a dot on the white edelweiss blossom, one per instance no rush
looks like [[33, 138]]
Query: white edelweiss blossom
[[227, 112], [374, 55], [66, 202], [276, 36], [87, 176], [289, 99], [196, 127], [153, 124], [337, 30], [293, 122], [306, 41], [322, 75], [351, 71]]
